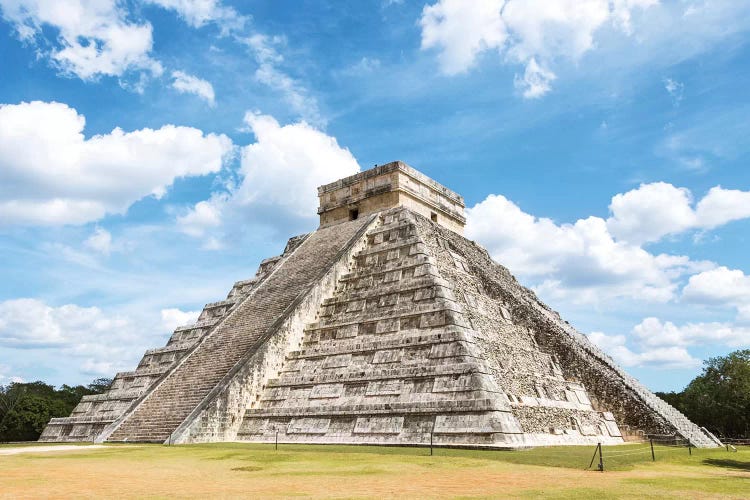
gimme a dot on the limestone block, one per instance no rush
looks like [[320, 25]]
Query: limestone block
[[390, 356], [327, 391], [379, 425], [384, 387], [306, 425], [337, 361]]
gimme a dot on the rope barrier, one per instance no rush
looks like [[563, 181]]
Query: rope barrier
[[611, 455]]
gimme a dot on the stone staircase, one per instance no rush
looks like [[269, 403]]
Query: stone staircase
[[173, 399], [95, 412]]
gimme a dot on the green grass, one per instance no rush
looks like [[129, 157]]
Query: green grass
[[257, 470]]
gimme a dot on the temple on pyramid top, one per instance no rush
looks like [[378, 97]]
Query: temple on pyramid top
[[394, 184]]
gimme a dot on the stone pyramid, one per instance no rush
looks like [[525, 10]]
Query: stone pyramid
[[384, 326]]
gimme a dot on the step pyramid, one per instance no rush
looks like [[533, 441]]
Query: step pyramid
[[384, 326]]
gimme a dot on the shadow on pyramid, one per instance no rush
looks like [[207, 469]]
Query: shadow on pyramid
[[384, 326]]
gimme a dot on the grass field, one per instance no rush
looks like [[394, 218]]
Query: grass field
[[233, 470]]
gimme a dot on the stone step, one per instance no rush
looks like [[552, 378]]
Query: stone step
[[470, 405], [401, 372]]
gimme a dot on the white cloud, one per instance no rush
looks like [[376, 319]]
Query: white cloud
[[172, 318], [204, 216], [653, 332], [536, 81], [88, 339], [658, 357], [269, 73], [522, 31], [582, 261], [198, 13], [92, 38], [286, 164], [655, 210], [720, 206], [279, 176], [30, 323], [100, 241], [189, 84], [461, 30], [51, 174], [721, 287], [675, 90], [650, 212]]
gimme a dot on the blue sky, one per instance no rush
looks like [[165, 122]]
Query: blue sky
[[153, 152]]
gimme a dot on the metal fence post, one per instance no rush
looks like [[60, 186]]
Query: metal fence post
[[601, 459], [653, 457], [593, 457], [276, 445]]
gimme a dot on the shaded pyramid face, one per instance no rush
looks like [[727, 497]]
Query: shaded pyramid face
[[389, 328]]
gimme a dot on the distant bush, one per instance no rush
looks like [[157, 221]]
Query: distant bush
[[25, 408]]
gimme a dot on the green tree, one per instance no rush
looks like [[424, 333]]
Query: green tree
[[25, 408], [719, 398]]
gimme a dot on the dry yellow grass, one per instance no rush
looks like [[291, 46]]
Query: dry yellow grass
[[237, 470]]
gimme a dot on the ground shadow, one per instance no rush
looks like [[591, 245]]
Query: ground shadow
[[728, 463]]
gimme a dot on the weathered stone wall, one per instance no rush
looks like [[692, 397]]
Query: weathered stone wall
[[388, 186], [609, 387], [529, 376]]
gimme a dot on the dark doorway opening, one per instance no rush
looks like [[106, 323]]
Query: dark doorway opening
[[353, 213]]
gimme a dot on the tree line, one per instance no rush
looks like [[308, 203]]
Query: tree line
[[25, 408], [719, 398]]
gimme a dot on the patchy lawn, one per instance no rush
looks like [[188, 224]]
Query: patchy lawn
[[254, 470]]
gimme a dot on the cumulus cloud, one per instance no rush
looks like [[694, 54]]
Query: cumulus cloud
[[30, 323], [658, 357], [198, 13], [271, 74], [279, 175], [204, 216], [655, 210], [460, 31], [91, 38], [172, 318], [654, 332], [582, 260], [91, 340], [530, 32], [721, 287], [664, 344], [189, 84], [51, 174]]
